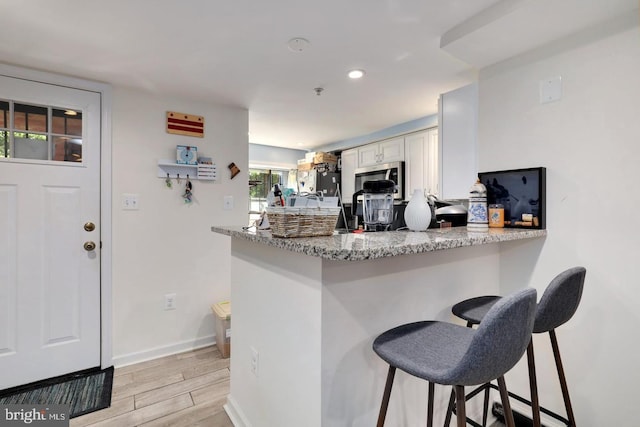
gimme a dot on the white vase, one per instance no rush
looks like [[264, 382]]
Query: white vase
[[417, 214]]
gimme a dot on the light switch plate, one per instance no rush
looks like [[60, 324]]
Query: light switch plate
[[130, 202], [228, 203]]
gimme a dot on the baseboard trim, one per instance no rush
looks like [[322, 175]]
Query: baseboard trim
[[237, 417], [167, 350]]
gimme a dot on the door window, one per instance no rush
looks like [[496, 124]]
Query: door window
[[39, 132]]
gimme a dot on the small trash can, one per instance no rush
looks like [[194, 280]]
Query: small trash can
[[222, 312]]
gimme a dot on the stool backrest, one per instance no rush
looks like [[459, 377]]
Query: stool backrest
[[500, 340], [560, 300]]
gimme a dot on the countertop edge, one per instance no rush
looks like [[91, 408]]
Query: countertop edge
[[358, 247]]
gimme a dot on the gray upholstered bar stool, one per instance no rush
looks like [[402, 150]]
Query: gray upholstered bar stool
[[557, 305], [450, 354]]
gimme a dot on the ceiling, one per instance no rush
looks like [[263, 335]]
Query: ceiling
[[235, 52]]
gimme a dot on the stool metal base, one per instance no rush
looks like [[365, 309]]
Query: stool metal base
[[486, 388], [534, 402]]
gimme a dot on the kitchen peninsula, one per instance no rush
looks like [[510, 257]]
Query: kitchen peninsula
[[306, 310]]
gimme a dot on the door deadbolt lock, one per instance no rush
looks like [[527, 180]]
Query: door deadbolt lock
[[89, 246], [89, 226]]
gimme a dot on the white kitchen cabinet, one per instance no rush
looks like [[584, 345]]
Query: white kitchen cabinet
[[349, 160], [389, 150], [422, 162], [457, 129]]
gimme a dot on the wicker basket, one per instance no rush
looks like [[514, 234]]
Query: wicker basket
[[302, 221]]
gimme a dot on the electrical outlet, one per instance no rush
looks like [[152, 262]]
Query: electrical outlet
[[255, 361], [170, 302]]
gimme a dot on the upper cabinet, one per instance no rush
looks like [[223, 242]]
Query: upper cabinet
[[389, 150], [457, 129], [349, 161], [442, 160], [421, 162]]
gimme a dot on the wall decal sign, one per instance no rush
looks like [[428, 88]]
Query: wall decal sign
[[185, 124]]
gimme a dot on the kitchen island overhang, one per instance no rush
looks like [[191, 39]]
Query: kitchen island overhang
[[363, 246], [310, 308]]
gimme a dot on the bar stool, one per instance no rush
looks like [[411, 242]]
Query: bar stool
[[450, 354], [557, 305]]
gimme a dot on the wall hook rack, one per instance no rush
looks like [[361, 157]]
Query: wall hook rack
[[171, 169]]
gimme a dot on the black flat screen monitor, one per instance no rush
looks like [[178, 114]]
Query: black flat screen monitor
[[519, 191]]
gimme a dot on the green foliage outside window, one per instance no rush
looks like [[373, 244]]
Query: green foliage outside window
[[263, 180], [4, 140], [3, 144]]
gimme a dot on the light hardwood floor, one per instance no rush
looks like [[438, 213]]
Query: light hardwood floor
[[186, 389]]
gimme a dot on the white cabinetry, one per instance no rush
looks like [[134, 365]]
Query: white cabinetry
[[389, 150], [457, 128], [349, 160], [421, 164]]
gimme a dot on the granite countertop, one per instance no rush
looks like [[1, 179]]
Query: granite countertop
[[357, 247]]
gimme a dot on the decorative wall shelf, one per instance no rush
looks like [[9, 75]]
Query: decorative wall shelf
[[199, 171]]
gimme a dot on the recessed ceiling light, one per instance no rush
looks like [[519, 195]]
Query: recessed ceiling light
[[356, 74], [71, 113]]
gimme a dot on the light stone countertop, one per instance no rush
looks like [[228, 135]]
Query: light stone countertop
[[357, 247]]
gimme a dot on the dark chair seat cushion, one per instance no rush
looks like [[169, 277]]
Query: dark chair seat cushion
[[450, 354], [557, 305], [474, 309], [428, 350]]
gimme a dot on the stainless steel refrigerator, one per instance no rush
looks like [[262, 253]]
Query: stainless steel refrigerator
[[313, 181]]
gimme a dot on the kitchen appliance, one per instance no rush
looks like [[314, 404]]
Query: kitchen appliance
[[393, 171], [313, 181], [455, 214], [377, 204]]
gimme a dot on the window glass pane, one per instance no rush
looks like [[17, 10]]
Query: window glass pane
[[4, 143], [67, 149], [30, 146], [67, 122], [30, 117], [261, 182], [4, 114]]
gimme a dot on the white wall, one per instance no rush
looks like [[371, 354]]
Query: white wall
[[264, 156], [167, 246], [590, 143]]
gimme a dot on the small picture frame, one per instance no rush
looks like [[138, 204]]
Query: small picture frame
[[187, 155]]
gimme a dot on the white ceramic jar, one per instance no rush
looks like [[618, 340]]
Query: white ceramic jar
[[477, 214]]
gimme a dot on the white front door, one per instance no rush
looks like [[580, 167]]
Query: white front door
[[49, 190]]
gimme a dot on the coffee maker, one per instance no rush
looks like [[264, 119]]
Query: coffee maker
[[377, 204]]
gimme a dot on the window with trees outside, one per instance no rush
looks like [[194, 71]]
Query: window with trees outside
[[261, 182], [38, 132]]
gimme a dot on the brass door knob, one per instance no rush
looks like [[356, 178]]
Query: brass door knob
[[89, 246], [89, 226]]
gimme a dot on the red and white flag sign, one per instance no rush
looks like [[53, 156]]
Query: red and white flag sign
[[185, 124]]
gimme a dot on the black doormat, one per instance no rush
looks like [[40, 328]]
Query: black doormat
[[84, 391]]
